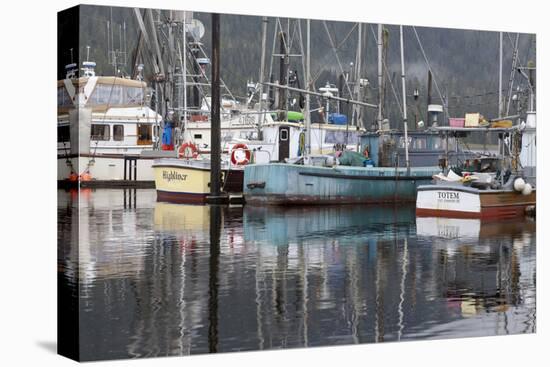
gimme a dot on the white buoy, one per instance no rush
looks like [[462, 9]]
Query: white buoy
[[528, 189], [519, 184]]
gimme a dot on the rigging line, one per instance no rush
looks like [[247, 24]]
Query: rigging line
[[515, 58], [393, 90], [485, 94], [302, 52], [284, 38], [272, 52], [221, 79], [388, 77], [431, 70], [512, 44], [293, 37], [337, 57], [347, 36]]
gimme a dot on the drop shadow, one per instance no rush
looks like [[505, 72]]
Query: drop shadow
[[50, 346]]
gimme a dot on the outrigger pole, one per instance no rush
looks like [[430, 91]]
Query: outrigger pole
[[322, 95], [308, 86], [405, 125]]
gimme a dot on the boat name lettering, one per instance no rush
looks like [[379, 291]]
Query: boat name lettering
[[245, 119], [173, 175], [448, 196]]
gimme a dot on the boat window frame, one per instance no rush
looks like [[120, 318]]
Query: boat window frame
[[146, 141], [106, 128], [117, 137], [286, 133]]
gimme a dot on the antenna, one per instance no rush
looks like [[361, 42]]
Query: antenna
[[71, 55], [87, 53]]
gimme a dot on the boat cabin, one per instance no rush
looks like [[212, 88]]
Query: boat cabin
[[426, 148]]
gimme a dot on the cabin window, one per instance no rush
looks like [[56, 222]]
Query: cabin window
[[118, 132], [102, 95], [197, 136], [63, 133], [100, 132], [437, 143], [144, 134], [402, 142], [133, 95], [284, 135], [420, 143], [116, 95]]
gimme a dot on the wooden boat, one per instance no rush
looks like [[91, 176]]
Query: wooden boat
[[460, 201], [188, 180], [500, 191], [287, 184]]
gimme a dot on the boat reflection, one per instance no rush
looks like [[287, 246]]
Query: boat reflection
[[482, 264], [170, 279]]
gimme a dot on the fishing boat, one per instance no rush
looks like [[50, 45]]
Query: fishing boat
[[188, 180], [468, 202], [375, 176], [491, 190], [103, 123], [320, 183]]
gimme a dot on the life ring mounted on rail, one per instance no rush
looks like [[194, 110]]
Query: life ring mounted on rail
[[240, 154], [188, 150]]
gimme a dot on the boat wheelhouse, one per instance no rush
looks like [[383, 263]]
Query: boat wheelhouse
[[488, 187], [103, 123]]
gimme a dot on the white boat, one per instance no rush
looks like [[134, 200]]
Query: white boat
[[468, 202], [103, 127], [499, 192]]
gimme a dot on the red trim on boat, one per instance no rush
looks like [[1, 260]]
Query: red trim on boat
[[181, 197], [502, 212]]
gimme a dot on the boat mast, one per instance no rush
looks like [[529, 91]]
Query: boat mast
[[405, 125], [356, 115], [283, 74], [308, 83], [184, 72], [379, 41], [215, 131], [261, 116], [500, 77]]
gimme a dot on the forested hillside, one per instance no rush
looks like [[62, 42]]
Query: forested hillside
[[464, 62]]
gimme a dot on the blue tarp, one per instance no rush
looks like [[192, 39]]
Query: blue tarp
[[337, 119], [167, 134]]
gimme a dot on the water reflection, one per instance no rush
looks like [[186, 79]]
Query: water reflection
[[164, 279]]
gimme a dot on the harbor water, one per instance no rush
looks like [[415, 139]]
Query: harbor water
[[150, 279]]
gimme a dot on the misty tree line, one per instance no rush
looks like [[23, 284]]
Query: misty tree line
[[464, 62]]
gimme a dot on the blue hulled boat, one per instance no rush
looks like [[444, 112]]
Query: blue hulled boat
[[287, 184]]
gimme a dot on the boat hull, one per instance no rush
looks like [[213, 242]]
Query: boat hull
[[182, 181], [289, 184], [107, 168], [466, 202]]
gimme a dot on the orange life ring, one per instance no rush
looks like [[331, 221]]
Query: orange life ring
[[243, 161], [188, 150]]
